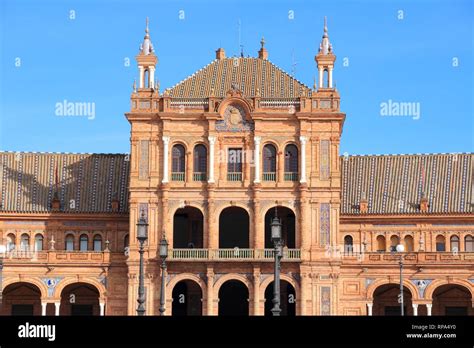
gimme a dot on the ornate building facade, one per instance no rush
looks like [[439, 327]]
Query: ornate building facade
[[212, 160]]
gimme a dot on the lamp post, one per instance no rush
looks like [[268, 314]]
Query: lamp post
[[277, 243], [400, 249], [163, 255], [142, 236]]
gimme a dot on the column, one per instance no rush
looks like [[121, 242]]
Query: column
[[369, 309], [141, 75], [303, 159], [259, 231], [56, 308], [415, 309], [210, 292], [166, 141], [102, 308], [256, 292], [321, 74], [330, 77], [428, 308], [43, 308], [257, 159], [151, 77], [212, 141], [305, 289]]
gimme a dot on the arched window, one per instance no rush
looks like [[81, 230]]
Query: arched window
[[454, 243], [325, 78], [10, 242], [409, 243], [348, 247], [25, 242], [440, 243], [469, 243], [69, 242], [394, 241], [38, 242], [97, 242], [178, 163], [291, 163], [83, 241], [269, 163], [200, 163], [381, 244]]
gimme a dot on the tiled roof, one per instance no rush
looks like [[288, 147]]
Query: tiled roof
[[247, 73], [87, 183], [393, 184]]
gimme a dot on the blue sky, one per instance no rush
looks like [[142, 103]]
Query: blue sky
[[423, 54]]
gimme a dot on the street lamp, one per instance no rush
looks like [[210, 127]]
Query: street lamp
[[142, 236], [400, 249], [163, 255], [277, 243]]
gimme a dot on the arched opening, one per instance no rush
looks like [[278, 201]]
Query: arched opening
[[287, 299], [394, 241], [291, 163], [200, 163], [381, 244], [21, 299], [187, 298], [80, 299], [69, 243], [234, 228], [83, 242], [233, 298], [288, 224], [97, 242], [38, 242], [146, 78], [348, 245], [386, 300], [11, 242], [325, 78], [188, 228], [469, 243], [452, 299], [440, 243], [25, 242], [409, 246], [454, 242], [178, 163], [269, 163]]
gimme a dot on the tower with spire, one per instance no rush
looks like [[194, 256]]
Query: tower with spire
[[147, 61], [325, 60]]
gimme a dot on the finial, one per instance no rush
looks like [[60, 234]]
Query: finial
[[134, 86], [314, 84], [262, 42], [146, 29], [325, 27]]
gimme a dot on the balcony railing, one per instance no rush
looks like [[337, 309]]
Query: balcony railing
[[56, 257], [199, 176], [234, 176], [177, 176], [235, 254], [291, 176], [269, 176]]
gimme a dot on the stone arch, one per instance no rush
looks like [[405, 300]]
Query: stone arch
[[233, 276], [198, 206], [222, 207], [36, 282], [64, 283], [406, 283], [187, 276], [431, 288], [235, 100], [266, 282]]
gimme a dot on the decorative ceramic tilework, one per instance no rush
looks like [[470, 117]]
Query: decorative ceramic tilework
[[143, 164], [324, 224], [325, 300], [324, 160]]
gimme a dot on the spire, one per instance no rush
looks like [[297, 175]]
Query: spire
[[146, 47], [325, 47], [263, 53]]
